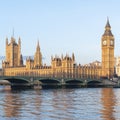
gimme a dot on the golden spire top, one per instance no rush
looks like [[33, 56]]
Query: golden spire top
[[38, 46], [107, 29], [108, 24]]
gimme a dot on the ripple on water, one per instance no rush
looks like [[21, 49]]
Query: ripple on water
[[61, 104]]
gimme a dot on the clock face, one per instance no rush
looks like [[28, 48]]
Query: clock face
[[111, 42], [104, 42]]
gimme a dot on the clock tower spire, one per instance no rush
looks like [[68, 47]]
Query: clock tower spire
[[107, 45]]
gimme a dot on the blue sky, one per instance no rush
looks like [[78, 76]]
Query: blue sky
[[61, 26]]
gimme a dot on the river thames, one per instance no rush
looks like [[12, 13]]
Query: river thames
[[60, 104]]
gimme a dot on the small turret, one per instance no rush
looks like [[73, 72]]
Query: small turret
[[73, 57], [6, 41], [38, 46], [21, 60], [19, 41]]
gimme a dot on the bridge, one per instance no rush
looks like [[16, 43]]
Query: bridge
[[24, 82]]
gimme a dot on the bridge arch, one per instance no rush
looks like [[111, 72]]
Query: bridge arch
[[15, 80], [49, 80], [73, 81], [94, 83]]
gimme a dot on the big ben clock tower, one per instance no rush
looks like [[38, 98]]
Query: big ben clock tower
[[107, 43]]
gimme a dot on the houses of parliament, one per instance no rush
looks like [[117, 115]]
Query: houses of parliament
[[61, 67]]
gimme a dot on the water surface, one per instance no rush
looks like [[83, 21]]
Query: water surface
[[60, 104]]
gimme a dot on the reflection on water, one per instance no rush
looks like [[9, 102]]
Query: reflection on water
[[60, 104], [108, 101], [12, 104]]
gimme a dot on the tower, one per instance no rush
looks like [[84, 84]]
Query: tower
[[13, 53], [107, 44], [38, 57]]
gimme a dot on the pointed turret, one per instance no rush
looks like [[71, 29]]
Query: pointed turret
[[107, 24], [107, 29], [38, 56], [6, 41], [38, 46], [73, 57], [19, 41], [21, 60]]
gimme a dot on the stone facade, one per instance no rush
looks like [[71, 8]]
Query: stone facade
[[61, 67]]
